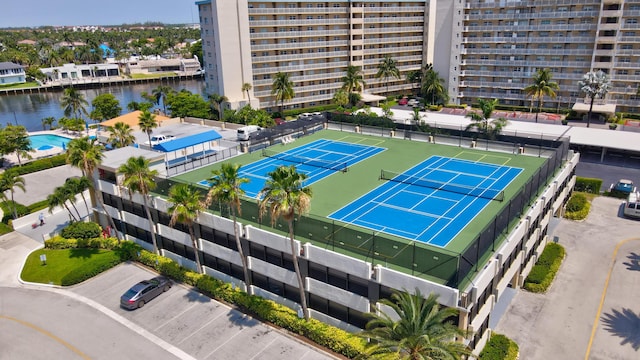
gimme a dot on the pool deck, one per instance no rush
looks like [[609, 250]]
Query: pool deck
[[12, 159]]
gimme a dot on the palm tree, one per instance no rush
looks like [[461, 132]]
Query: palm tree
[[541, 86], [121, 135], [78, 185], [282, 196], [414, 77], [138, 178], [187, 205], [432, 84], [594, 85], [423, 330], [86, 154], [481, 120], [282, 88], [66, 194], [216, 101], [147, 122], [388, 68], [58, 198], [225, 188], [246, 87], [160, 93], [48, 121], [9, 181], [353, 80], [73, 103]]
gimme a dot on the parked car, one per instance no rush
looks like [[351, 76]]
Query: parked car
[[413, 102], [143, 292], [622, 188], [403, 101], [159, 139]]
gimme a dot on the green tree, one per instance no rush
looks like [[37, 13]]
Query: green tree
[[9, 181], [186, 205], [78, 185], [283, 196], [86, 154], [139, 178], [386, 110], [341, 97], [15, 139], [414, 77], [433, 85], [59, 198], [105, 107], [541, 86], [353, 81], [147, 122], [185, 104], [121, 135], [139, 106], [387, 68], [594, 85], [196, 51], [480, 121], [160, 94], [225, 188], [282, 88], [246, 88], [216, 101], [66, 194], [73, 103], [48, 121], [423, 330]]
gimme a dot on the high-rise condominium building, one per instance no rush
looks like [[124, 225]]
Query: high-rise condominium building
[[246, 41], [481, 48]]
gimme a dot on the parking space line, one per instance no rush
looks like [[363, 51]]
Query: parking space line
[[264, 348], [178, 315], [202, 327], [604, 295], [229, 339]]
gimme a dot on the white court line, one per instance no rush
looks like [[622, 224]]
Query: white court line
[[417, 212], [377, 227]]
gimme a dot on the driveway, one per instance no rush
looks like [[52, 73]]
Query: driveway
[[197, 325], [592, 310]]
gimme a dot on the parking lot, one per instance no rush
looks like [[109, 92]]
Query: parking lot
[[196, 324]]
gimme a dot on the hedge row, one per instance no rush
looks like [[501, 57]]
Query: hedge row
[[41, 164], [544, 271], [577, 207], [588, 185], [59, 242], [325, 335], [499, 347]]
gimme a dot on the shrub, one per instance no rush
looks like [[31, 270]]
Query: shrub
[[499, 347], [92, 269], [41, 164], [577, 202], [59, 242], [578, 215], [544, 271], [7, 208], [588, 185], [5, 228], [81, 230]]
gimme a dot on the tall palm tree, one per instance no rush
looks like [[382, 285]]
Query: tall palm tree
[[353, 81], [541, 86], [58, 198], [282, 88], [283, 196], [246, 87], [480, 121], [225, 188], [121, 135], [86, 154], [186, 206], [9, 181], [48, 121], [423, 330], [73, 103], [432, 84], [138, 178], [216, 101], [78, 185], [160, 93], [147, 122], [66, 194], [387, 68], [594, 85]]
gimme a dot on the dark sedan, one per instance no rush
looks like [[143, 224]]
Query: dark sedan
[[143, 292]]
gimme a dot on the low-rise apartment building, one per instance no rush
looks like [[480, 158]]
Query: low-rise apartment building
[[11, 73]]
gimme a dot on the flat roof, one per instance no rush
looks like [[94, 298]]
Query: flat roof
[[114, 158], [131, 119], [191, 140]]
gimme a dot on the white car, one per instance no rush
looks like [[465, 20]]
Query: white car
[[159, 139]]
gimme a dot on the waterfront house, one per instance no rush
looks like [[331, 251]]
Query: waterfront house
[[81, 71], [11, 73]]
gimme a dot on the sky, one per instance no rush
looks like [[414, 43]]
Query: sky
[[33, 13]]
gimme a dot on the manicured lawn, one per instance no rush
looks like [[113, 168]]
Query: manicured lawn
[[151, 76], [19, 86], [61, 263]]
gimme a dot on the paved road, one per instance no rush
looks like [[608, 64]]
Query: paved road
[[559, 324], [42, 183], [608, 173]]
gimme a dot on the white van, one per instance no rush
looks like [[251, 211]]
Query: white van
[[245, 132], [632, 206]]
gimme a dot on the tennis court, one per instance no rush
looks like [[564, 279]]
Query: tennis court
[[317, 159], [432, 202]]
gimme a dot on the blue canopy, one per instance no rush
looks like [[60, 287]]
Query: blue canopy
[[185, 142]]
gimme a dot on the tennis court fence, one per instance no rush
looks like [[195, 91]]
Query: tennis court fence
[[297, 159], [486, 193]]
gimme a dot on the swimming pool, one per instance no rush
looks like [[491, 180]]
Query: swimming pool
[[47, 141]]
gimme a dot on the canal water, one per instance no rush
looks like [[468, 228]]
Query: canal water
[[29, 109]]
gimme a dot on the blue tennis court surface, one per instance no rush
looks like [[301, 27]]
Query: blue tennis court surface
[[317, 160], [427, 213]]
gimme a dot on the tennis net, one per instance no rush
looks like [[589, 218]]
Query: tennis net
[[485, 193], [297, 159]]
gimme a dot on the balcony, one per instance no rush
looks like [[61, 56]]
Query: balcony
[[404, 29], [391, 19], [293, 57], [298, 10], [296, 34], [300, 45], [299, 22]]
